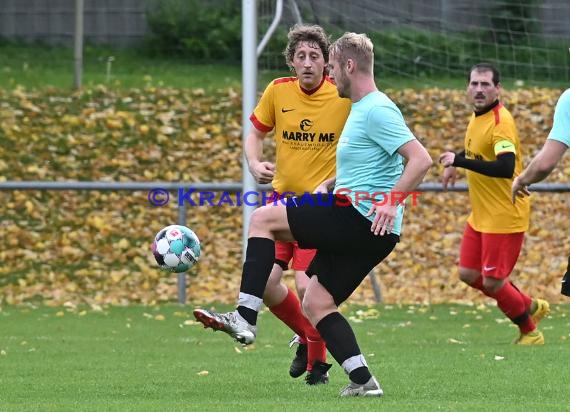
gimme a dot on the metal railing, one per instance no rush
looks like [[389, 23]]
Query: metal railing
[[230, 187]]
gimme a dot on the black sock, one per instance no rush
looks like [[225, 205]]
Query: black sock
[[259, 259], [342, 345]]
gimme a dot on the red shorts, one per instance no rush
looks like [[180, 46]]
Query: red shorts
[[494, 255], [286, 252]]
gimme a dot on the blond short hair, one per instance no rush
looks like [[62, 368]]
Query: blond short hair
[[355, 46]]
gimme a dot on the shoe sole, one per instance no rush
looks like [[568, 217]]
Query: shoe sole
[[378, 392], [375, 392], [534, 342], [538, 343], [210, 322]]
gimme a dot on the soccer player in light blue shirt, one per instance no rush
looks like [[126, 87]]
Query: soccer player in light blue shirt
[[561, 126], [374, 130], [546, 160], [551, 153], [350, 238]]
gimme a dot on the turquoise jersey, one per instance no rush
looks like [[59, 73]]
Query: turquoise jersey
[[367, 161], [561, 127]]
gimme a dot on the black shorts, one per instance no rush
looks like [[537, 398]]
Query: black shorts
[[346, 248]]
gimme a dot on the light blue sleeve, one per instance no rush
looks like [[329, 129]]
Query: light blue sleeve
[[561, 126], [388, 128]]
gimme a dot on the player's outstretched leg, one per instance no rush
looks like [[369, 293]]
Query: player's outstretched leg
[[232, 323]]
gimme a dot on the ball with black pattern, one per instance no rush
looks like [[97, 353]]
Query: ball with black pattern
[[176, 248]]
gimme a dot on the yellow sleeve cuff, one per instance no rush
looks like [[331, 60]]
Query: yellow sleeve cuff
[[504, 146]]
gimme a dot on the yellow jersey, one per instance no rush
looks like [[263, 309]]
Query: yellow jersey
[[492, 208], [308, 125]]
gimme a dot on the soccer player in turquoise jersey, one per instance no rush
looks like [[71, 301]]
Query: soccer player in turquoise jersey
[[546, 160], [374, 122], [350, 238]]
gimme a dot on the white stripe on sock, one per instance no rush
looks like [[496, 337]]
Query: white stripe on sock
[[353, 363], [250, 301]]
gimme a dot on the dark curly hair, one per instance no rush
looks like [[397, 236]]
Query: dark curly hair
[[306, 33]]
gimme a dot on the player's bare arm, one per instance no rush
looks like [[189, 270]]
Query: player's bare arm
[[418, 162], [449, 173], [262, 172], [539, 168]]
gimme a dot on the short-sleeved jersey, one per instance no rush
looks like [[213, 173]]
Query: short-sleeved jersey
[[307, 129], [561, 126], [492, 208], [367, 158]]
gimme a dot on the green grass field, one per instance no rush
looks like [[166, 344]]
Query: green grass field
[[38, 67], [440, 358]]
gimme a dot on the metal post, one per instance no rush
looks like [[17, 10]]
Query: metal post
[[271, 29], [182, 276], [375, 287], [295, 11], [249, 80], [78, 44]]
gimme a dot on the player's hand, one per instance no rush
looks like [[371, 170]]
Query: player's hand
[[518, 189], [262, 172], [384, 217], [447, 159], [449, 177]]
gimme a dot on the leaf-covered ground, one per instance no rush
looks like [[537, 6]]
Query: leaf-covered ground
[[93, 247]]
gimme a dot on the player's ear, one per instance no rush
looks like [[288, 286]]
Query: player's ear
[[350, 65]]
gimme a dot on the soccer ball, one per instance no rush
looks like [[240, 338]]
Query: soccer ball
[[176, 248]]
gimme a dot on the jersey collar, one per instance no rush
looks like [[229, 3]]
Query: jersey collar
[[487, 109], [314, 90]]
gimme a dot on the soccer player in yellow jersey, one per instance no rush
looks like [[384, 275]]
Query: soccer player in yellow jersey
[[307, 115], [494, 232]]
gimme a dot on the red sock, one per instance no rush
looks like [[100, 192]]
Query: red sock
[[527, 299], [513, 305], [290, 313], [316, 349], [510, 304]]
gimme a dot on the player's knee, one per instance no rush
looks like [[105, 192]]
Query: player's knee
[[267, 219], [468, 276], [493, 285], [258, 219]]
